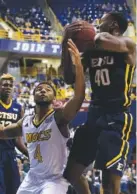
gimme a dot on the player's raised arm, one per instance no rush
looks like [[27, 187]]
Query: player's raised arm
[[73, 106], [11, 131], [114, 43]]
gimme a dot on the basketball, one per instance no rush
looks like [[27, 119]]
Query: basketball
[[84, 38]]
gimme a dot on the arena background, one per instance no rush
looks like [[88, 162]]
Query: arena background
[[30, 45]]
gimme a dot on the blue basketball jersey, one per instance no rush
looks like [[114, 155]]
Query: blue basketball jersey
[[9, 114], [110, 78]]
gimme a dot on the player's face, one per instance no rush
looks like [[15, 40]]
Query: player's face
[[6, 88], [105, 23], [44, 95]]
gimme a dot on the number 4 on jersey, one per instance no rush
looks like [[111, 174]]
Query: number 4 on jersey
[[37, 154], [102, 77]]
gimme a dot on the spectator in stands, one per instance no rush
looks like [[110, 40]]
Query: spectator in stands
[[21, 171], [90, 179], [97, 182], [120, 8], [29, 18], [3, 8], [124, 183], [52, 71]]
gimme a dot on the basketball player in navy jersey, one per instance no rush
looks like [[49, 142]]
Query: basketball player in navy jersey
[[10, 112], [106, 135]]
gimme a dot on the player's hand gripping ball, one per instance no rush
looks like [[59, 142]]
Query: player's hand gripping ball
[[82, 33]]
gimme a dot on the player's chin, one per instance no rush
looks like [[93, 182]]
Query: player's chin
[[7, 94], [43, 102]]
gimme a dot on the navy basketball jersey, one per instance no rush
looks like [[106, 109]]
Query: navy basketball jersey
[[9, 114], [110, 78]]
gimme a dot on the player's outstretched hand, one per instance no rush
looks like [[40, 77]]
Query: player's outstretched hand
[[74, 53]]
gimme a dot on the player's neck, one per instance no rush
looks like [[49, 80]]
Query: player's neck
[[6, 100], [42, 112]]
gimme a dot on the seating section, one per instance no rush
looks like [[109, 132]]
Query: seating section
[[90, 12], [30, 21]]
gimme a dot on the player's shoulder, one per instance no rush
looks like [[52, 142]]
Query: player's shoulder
[[129, 42]]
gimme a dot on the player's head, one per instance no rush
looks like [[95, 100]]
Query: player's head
[[44, 94], [113, 22], [6, 86]]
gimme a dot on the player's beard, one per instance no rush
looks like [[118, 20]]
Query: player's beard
[[43, 103], [5, 97]]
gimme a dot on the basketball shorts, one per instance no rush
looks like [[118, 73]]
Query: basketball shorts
[[45, 186], [104, 139], [9, 174]]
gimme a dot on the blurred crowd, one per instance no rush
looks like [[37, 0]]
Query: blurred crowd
[[92, 11], [29, 21], [32, 20]]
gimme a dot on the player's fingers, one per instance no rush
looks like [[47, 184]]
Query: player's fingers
[[73, 25], [71, 42], [72, 54], [77, 26], [71, 31], [71, 51], [71, 45], [73, 48]]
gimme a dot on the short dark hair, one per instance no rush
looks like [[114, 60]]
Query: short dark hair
[[121, 20], [7, 77], [46, 83]]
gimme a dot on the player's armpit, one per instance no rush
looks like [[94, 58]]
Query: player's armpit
[[109, 42], [62, 123], [11, 131]]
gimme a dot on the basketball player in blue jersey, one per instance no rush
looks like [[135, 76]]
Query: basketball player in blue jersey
[[46, 134], [10, 112], [106, 135]]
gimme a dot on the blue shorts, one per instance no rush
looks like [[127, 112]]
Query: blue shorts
[[104, 139], [9, 174]]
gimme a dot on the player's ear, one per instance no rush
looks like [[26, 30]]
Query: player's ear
[[113, 25]]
